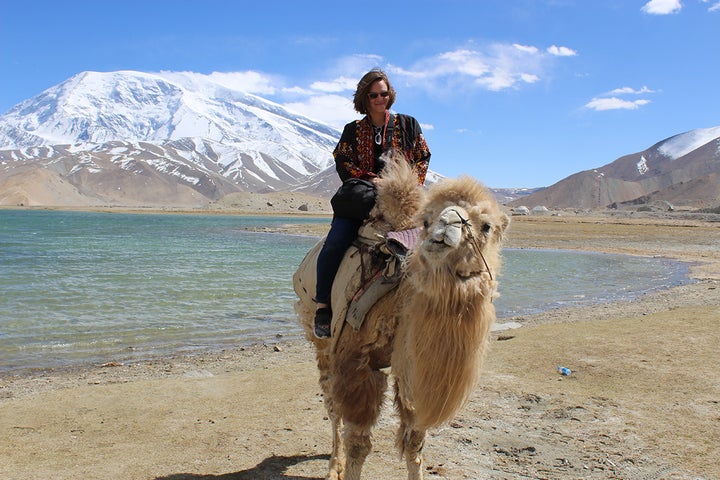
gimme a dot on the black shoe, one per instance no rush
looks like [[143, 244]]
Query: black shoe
[[323, 317]]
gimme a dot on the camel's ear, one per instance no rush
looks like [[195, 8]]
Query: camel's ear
[[504, 222], [503, 225]]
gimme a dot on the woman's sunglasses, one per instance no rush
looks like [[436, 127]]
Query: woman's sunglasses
[[374, 95]]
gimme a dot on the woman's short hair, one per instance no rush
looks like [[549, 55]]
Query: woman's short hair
[[360, 99]]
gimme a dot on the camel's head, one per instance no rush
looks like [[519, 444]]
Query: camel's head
[[463, 228]]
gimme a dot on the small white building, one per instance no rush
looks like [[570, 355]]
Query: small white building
[[522, 210]]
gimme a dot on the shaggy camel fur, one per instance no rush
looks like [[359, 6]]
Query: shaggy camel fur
[[432, 329]]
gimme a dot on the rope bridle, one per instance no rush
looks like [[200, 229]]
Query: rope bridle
[[474, 242]]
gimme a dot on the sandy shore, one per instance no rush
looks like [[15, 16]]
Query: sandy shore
[[643, 401]]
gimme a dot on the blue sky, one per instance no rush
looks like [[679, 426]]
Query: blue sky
[[518, 93]]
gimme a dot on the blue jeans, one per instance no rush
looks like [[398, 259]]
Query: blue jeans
[[343, 232]]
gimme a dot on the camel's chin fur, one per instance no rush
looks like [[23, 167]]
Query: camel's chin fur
[[432, 329]]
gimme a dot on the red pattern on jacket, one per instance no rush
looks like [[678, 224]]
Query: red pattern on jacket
[[356, 154]]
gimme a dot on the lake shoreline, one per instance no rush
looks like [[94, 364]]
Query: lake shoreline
[[522, 237], [642, 401]]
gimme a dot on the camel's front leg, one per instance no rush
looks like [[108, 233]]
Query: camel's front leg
[[337, 457], [358, 446], [413, 442], [410, 441]]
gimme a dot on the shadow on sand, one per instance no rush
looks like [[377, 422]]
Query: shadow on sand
[[272, 468]]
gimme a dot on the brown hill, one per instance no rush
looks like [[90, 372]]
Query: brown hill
[[651, 176], [101, 182]]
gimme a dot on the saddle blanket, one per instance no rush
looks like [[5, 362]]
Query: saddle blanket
[[370, 269]]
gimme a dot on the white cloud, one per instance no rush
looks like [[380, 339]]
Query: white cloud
[[297, 91], [339, 84], [494, 67], [525, 48], [614, 103], [335, 110], [561, 51], [611, 100], [715, 7], [529, 78], [464, 62], [662, 7], [250, 81], [630, 91], [498, 80]]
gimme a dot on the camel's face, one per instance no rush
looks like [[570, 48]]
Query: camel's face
[[458, 238]]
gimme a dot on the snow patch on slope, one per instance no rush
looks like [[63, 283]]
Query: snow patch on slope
[[681, 145]]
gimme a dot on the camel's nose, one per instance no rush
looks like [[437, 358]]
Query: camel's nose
[[448, 228], [438, 232]]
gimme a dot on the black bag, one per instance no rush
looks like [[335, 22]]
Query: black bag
[[354, 199]]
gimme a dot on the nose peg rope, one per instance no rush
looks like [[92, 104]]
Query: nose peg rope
[[473, 241]]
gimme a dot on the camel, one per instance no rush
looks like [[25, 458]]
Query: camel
[[431, 329]]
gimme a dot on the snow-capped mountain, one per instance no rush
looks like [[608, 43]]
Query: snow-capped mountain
[[97, 108], [99, 128], [683, 170]]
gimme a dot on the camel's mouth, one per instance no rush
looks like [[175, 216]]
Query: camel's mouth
[[433, 245], [469, 275], [436, 251]]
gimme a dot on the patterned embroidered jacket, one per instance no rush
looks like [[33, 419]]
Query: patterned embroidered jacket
[[357, 154]]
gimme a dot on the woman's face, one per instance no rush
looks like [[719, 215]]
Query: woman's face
[[378, 104]]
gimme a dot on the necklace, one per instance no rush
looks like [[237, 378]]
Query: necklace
[[378, 134]]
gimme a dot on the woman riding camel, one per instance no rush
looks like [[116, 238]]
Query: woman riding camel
[[357, 154]]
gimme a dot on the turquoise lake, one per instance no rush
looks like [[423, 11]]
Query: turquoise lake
[[86, 287]]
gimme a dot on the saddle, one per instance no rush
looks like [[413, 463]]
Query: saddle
[[371, 268], [391, 250]]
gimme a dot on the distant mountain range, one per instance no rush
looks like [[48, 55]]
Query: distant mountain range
[[681, 170], [180, 140]]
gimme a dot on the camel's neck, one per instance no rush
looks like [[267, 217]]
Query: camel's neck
[[445, 342]]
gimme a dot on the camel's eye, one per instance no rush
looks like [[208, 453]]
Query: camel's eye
[[486, 228], [426, 224]]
